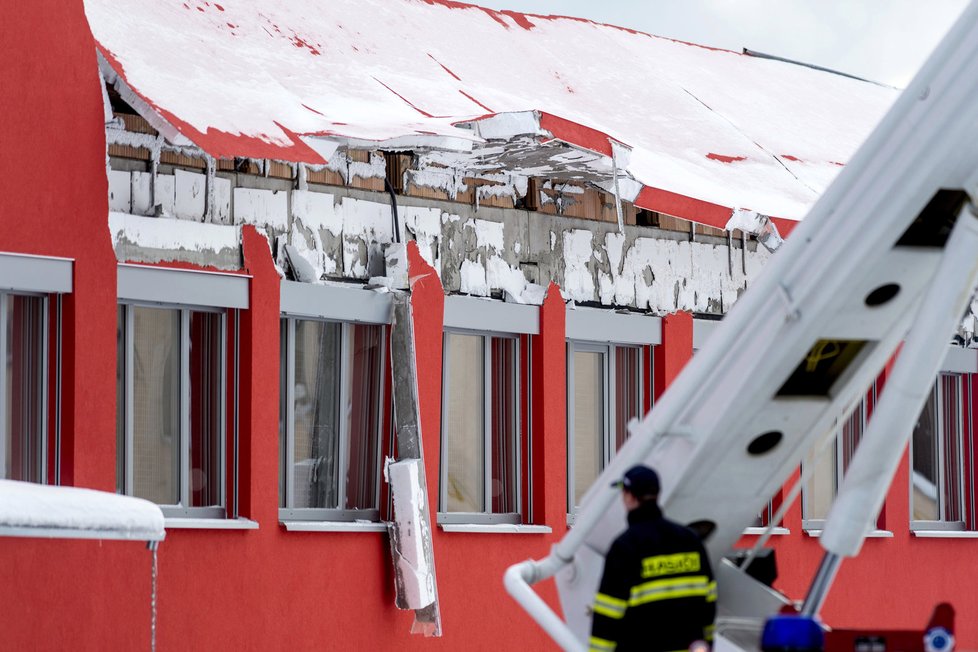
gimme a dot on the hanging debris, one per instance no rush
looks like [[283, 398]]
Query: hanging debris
[[410, 531]]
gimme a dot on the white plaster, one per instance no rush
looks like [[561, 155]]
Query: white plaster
[[267, 208], [142, 193], [190, 195], [164, 195], [120, 191]]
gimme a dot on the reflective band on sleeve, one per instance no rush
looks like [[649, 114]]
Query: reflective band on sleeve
[[674, 564], [601, 645], [670, 589], [711, 595], [708, 632], [609, 606]]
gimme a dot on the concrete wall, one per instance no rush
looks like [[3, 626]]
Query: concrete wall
[[483, 251]]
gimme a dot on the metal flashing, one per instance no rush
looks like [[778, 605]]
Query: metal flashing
[[352, 304], [475, 314], [27, 273], [598, 325], [184, 287]]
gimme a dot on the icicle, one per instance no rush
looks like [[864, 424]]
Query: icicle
[[153, 546]]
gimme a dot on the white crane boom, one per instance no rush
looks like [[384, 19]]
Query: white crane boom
[[805, 343]]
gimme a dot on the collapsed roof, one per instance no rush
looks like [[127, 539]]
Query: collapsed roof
[[703, 134]]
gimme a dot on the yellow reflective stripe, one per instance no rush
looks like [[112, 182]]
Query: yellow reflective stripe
[[601, 645], [610, 606], [680, 562], [669, 589], [708, 632], [711, 594]]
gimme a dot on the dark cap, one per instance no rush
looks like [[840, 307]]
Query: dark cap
[[640, 481]]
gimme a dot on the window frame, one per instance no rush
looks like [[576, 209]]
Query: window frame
[[487, 517], [44, 417], [182, 509], [645, 397], [287, 512], [840, 464], [937, 394]]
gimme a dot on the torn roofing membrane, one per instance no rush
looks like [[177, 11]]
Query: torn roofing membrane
[[702, 131]]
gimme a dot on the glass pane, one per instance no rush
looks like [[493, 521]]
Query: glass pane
[[317, 390], [206, 408], [120, 401], [924, 454], [503, 425], [156, 404], [628, 390], [464, 423], [24, 391], [366, 393], [951, 434], [852, 433], [821, 484], [283, 407], [589, 419]]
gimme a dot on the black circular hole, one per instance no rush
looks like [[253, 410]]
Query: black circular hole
[[882, 294], [703, 529], [764, 443]]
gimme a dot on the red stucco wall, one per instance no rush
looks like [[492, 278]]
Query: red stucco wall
[[267, 588]]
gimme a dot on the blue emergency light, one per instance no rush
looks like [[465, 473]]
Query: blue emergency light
[[792, 633]]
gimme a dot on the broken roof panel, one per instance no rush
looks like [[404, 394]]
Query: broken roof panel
[[705, 131]]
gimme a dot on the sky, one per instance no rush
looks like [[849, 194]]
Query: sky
[[881, 40]]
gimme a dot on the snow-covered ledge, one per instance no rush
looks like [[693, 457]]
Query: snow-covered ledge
[[34, 510]]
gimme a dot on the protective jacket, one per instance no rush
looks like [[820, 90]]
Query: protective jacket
[[657, 593]]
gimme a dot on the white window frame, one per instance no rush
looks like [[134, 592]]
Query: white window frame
[[181, 509], [839, 464], [187, 291], [288, 512], [48, 278], [487, 517], [44, 335], [608, 350], [915, 478]]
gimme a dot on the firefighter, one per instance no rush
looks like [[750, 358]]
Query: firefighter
[[657, 592]]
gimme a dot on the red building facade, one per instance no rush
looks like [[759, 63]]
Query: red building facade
[[263, 586]]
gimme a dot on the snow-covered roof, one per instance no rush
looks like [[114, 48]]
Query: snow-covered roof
[[701, 131], [34, 510]]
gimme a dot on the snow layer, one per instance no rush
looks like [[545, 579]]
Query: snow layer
[[245, 77], [165, 233], [73, 512]]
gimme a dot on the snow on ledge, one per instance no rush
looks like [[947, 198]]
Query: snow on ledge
[[34, 510]]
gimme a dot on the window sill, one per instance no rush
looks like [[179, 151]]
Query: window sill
[[499, 528], [945, 534], [210, 524], [875, 534], [334, 526], [758, 531]]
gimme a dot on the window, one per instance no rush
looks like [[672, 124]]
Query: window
[[332, 419], [826, 476], [607, 388], [172, 408], [23, 387], [937, 457], [481, 428]]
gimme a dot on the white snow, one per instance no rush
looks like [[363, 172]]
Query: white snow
[[168, 233], [714, 125], [267, 208], [578, 283], [28, 509]]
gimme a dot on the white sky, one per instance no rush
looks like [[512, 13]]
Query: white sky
[[882, 40]]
